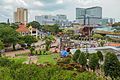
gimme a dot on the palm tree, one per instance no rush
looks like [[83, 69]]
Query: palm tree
[[48, 40]]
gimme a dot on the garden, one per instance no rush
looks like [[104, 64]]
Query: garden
[[52, 66]]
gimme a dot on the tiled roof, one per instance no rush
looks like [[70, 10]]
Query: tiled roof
[[114, 44], [22, 28]]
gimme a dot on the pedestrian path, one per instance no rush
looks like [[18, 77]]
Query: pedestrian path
[[31, 60], [13, 53]]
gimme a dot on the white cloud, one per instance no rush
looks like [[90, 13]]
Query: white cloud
[[9, 1], [59, 1], [38, 3], [22, 2], [37, 7]]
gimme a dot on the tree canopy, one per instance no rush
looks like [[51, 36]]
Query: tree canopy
[[34, 24], [29, 39], [82, 59], [9, 36], [97, 36], [1, 45], [100, 55], [76, 55], [112, 65], [48, 40], [93, 61], [51, 28]]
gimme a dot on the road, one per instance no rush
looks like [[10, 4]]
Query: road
[[13, 53]]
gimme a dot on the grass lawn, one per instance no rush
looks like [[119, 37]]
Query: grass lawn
[[48, 58], [20, 59]]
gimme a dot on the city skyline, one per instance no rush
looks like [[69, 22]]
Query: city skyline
[[53, 7]]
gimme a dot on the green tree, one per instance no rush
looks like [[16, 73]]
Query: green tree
[[1, 45], [112, 66], [31, 50], [82, 59], [34, 24], [5, 62], [5, 73], [9, 36], [101, 43], [100, 55], [86, 76], [97, 36], [29, 39], [14, 25], [76, 55], [48, 40], [51, 28], [93, 61], [63, 75], [2, 25], [69, 32]]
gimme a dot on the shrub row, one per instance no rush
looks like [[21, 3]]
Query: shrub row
[[14, 71]]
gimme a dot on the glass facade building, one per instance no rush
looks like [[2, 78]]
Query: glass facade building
[[90, 16]]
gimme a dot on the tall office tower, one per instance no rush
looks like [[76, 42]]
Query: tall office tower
[[62, 20], [80, 12], [46, 19], [90, 16], [21, 15], [80, 15], [61, 17], [95, 12]]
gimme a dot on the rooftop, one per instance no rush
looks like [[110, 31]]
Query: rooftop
[[22, 28]]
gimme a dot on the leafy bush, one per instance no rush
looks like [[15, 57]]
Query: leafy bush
[[93, 61], [112, 66], [86, 76], [4, 62], [82, 59], [5, 73], [76, 55], [100, 55], [63, 75]]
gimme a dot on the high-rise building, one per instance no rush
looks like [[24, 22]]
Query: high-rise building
[[80, 13], [59, 19], [46, 19], [21, 15], [90, 16], [95, 12], [107, 21]]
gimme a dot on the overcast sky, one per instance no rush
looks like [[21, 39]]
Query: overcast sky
[[111, 8]]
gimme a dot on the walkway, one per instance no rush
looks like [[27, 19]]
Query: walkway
[[13, 53], [31, 59]]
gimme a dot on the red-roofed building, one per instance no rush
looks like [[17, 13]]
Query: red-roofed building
[[23, 30]]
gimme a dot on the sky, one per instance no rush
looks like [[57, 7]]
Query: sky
[[111, 8]]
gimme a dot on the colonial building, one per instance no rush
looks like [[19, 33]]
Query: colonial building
[[23, 30], [34, 32]]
